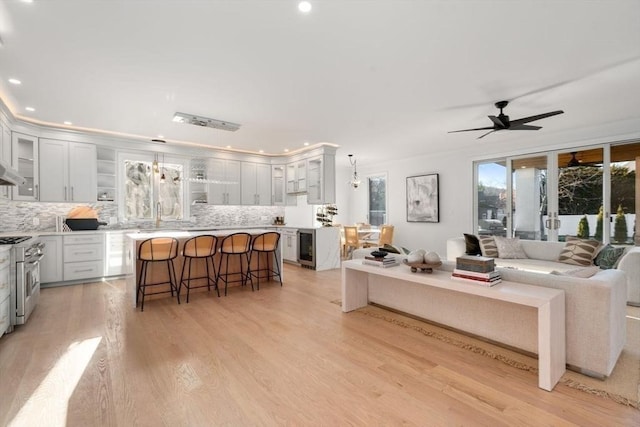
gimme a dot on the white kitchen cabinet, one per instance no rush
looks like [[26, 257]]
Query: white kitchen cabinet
[[278, 173], [289, 242], [51, 264], [70, 171], [321, 182], [255, 181], [5, 290], [279, 195], [5, 156], [24, 153], [83, 256], [224, 188], [116, 252], [297, 177]]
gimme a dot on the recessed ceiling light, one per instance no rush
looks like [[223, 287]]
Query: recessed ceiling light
[[228, 146], [304, 7], [286, 150], [306, 144], [68, 123], [160, 136], [261, 151], [30, 109], [27, 1], [15, 81]]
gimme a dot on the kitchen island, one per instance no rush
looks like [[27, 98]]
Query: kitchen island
[[158, 273]]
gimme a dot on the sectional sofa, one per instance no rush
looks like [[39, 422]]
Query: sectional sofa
[[595, 305]]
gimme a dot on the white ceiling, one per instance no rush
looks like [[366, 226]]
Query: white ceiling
[[381, 79]]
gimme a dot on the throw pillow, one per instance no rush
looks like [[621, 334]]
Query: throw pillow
[[394, 249], [472, 245], [488, 246], [389, 248], [509, 248], [583, 272], [608, 257], [591, 242], [578, 251]]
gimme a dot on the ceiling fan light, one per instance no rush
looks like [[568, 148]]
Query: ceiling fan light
[[573, 162]]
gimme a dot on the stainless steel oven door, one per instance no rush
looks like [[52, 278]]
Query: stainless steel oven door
[[27, 288]]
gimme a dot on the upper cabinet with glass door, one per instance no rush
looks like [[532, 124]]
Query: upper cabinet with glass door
[[321, 183], [25, 160]]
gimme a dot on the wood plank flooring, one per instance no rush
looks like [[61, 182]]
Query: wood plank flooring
[[278, 356]]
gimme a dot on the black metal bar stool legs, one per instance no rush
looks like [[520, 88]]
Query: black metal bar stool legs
[[152, 251], [234, 245], [196, 249], [266, 243]]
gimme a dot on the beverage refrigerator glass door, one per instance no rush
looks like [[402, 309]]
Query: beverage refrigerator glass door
[[306, 247]]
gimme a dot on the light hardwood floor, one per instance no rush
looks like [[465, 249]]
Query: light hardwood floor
[[278, 356]]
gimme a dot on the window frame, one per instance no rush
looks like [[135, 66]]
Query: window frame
[[149, 157], [369, 177]]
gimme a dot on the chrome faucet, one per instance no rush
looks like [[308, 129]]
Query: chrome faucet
[[158, 214]]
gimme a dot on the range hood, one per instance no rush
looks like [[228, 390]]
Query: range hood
[[9, 176]]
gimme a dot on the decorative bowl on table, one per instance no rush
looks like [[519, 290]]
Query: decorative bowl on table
[[426, 267], [378, 254]]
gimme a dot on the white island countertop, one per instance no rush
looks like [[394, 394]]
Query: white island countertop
[[185, 234]]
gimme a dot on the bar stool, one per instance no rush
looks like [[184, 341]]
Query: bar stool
[[238, 245], [199, 248], [266, 243], [157, 250]]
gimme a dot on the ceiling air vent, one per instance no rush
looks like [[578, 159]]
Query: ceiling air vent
[[192, 119]]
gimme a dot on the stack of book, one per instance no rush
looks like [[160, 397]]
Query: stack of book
[[385, 262], [475, 269]]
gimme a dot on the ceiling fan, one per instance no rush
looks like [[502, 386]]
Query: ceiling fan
[[502, 122]]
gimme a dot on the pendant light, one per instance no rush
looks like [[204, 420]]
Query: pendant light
[[155, 163], [355, 180]]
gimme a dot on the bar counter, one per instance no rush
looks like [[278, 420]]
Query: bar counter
[[158, 272]]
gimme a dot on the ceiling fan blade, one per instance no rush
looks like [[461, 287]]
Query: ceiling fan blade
[[468, 130], [534, 118], [525, 127], [497, 122], [485, 134]]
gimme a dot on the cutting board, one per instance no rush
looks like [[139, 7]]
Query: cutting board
[[82, 212]]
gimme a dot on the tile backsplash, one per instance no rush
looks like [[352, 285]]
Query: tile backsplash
[[19, 216]]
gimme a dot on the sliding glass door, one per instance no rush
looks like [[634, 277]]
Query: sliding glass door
[[529, 197], [580, 193], [591, 192]]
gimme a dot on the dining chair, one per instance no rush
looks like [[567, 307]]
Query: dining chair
[[385, 237], [351, 240]]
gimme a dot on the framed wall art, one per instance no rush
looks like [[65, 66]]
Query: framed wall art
[[423, 198]]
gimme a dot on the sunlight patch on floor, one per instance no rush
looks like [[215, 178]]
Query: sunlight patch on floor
[[49, 403]]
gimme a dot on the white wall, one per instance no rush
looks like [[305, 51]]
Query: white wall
[[455, 194], [456, 182]]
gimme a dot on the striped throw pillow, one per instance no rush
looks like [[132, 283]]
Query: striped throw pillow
[[488, 246], [579, 251]]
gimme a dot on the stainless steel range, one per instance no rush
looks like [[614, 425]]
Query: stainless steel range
[[26, 254]]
